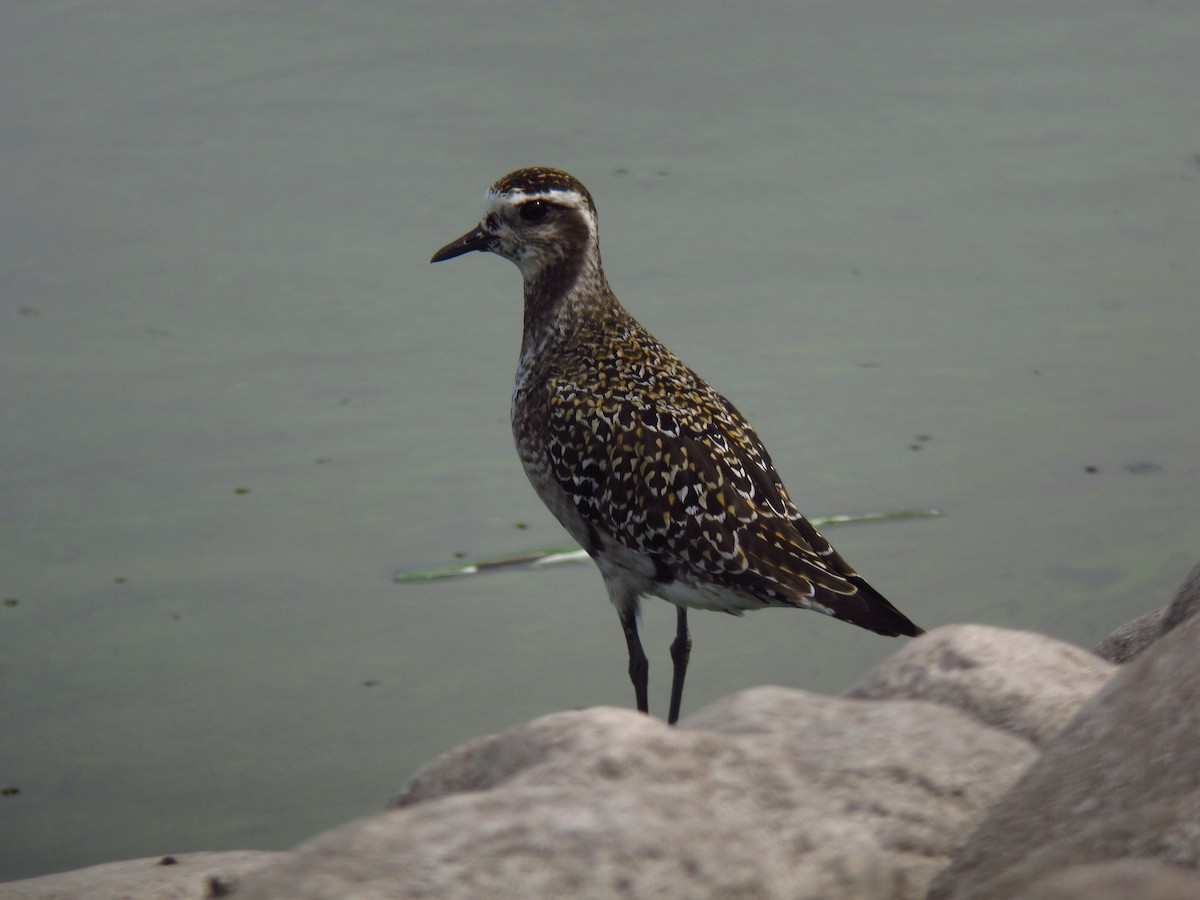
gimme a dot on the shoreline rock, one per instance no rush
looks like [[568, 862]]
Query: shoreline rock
[[973, 764], [1023, 683], [772, 792], [181, 876], [1133, 637], [1122, 781]]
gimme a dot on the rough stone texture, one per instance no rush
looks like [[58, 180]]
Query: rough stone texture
[[769, 793], [141, 879], [1185, 603], [1133, 637], [1122, 781], [780, 793], [1120, 880], [1023, 683]]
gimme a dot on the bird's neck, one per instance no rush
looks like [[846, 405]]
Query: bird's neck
[[562, 299]]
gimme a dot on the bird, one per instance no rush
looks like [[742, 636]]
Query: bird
[[656, 475]]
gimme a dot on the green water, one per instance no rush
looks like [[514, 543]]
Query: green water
[[943, 255]]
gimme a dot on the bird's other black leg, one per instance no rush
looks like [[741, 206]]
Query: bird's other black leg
[[639, 666], [681, 650]]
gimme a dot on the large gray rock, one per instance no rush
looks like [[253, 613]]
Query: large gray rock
[[1023, 683], [186, 876], [1185, 603], [1122, 781], [770, 793], [1120, 880], [1133, 637]]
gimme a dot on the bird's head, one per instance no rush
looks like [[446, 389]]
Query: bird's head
[[542, 219]]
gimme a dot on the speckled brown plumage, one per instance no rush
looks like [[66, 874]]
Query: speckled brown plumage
[[658, 476]]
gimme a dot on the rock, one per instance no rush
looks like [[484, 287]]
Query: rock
[[1023, 683], [1119, 880], [769, 793], [1133, 637], [1185, 603], [187, 878], [1121, 781]]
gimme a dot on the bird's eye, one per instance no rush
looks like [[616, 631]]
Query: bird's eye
[[533, 211]]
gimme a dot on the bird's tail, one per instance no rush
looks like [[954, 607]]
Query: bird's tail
[[875, 613]]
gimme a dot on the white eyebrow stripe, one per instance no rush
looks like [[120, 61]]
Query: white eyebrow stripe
[[498, 203], [516, 197]]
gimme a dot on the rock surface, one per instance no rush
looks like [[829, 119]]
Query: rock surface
[[1023, 683], [1120, 880], [769, 793], [927, 772], [1133, 637], [1122, 781], [1185, 603], [187, 878]]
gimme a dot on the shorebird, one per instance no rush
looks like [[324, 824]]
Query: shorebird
[[657, 476]]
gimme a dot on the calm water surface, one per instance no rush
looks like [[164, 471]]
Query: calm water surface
[[941, 255]]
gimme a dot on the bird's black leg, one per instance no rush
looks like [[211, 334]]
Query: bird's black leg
[[681, 649], [639, 666]]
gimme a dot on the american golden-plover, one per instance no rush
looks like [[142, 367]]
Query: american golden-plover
[[657, 476]]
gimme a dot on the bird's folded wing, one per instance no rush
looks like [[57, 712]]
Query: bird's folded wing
[[694, 490]]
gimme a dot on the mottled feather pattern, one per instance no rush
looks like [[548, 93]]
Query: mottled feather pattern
[[651, 455], [540, 180]]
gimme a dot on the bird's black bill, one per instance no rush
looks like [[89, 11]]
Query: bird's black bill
[[472, 240]]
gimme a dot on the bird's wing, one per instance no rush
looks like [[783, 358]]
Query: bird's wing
[[675, 472]]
